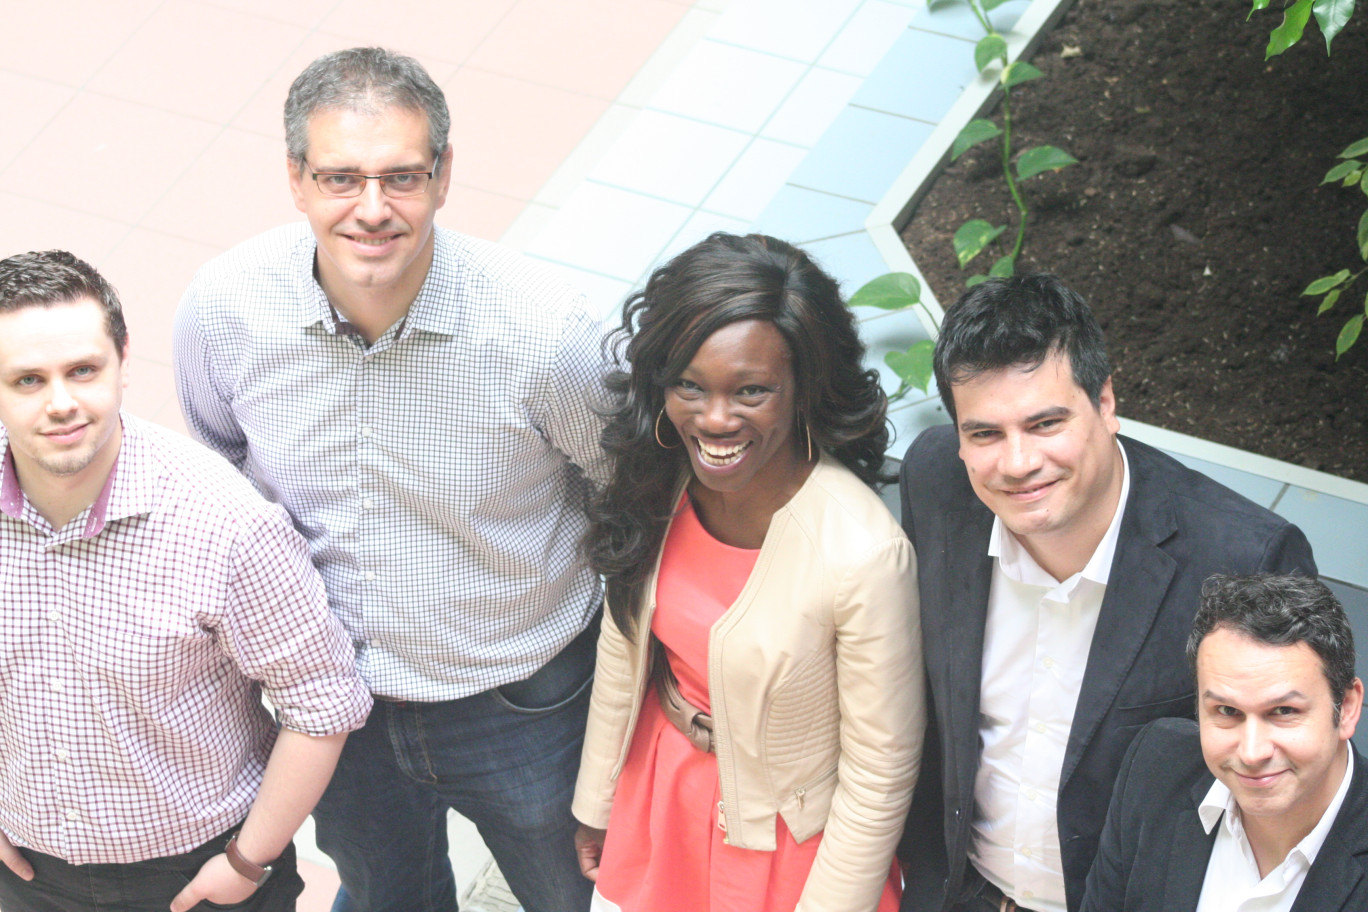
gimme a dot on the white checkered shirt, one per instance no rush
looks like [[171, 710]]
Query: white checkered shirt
[[436, 474], [134, 649]]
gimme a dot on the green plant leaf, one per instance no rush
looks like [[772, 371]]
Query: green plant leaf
[[914, 366], [972, 237], [1348, 335], [989, 5], [1340, 170], [1363, 235], [1329, 302], [1363, 185], [1332, 15], [1042, 158], [1019, 72], [974, 132], [1004, 267], [894, 291], [1290, 32], [1355, 150], [1325, 283], [973, 280], [933, 5], [1258, 5], [1354, 178], [989, 49]]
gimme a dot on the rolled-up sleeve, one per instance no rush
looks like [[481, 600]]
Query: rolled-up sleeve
[[278, 629]]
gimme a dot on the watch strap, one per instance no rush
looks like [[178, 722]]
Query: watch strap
[[249, 869]]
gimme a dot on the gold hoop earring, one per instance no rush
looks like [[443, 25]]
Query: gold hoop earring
[[657, 430], [807, 433]]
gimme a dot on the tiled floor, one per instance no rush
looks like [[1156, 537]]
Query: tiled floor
[[145, 135]]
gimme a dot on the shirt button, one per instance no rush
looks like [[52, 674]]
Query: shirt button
[[367, 504], [365, 431], [370, 575], [54, 615], [1049, 662], [1030, 794], [56, 685], [62, 754], [1039, 727], [73, 815]]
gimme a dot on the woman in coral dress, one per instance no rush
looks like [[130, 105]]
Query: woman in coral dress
[[756, 722]]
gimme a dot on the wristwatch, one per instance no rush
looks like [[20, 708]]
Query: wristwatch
[[254, 872]]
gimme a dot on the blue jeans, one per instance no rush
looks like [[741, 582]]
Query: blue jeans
[[505, 759], [139, 886]]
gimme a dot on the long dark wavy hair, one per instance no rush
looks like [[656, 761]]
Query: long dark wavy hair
[[722, 280]]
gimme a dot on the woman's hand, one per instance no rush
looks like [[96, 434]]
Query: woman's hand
[[589, 848]]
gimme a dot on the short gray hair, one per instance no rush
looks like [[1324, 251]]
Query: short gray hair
[[367, 80]]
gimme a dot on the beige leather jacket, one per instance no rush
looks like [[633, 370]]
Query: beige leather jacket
[[815, 683]]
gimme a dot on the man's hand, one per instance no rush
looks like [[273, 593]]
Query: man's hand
[[216, 882], [13, 860], [589, 848]]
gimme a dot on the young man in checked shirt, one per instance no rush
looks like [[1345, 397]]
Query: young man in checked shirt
[[422, 404], [151, 596]]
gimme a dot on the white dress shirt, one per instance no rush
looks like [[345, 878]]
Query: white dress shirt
[[1232, 876], [1035, 649]]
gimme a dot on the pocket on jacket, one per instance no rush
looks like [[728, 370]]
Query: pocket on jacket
[[1184, 707], [806, 807]]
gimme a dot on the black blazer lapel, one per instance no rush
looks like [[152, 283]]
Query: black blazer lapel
[[968, 575], [1136, 586], [1189, 852], [964, 632], [1341, 864]]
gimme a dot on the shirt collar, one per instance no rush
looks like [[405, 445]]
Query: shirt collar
[[127, 490], [1220, 804], [431, 311], [1016, 562]]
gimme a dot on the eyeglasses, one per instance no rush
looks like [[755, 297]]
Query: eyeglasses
[[346, 184]]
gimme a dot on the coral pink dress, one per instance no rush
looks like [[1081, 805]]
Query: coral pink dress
[[664, 851]]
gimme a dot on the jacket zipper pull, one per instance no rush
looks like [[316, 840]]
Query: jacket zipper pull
[[801, 793], [722, 823]]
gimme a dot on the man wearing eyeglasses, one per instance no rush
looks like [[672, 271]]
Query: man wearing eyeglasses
[[422, 404]]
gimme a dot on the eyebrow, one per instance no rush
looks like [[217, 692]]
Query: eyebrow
[[1290, 696], [401, 169], [21, 369], [1054, 411]]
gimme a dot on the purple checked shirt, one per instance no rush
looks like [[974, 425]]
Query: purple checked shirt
[[135, 646]]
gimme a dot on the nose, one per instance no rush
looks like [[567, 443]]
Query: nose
[[372, 206], [1255, 749], [1020, 456], [716, 417], [60, 400]]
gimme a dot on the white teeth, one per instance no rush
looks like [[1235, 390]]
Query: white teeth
[[720, 456], [372, 242]]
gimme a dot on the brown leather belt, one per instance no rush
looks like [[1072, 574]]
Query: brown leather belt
[[692, 722], [994, 899]]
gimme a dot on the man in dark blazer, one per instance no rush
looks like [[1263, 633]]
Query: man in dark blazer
[[1059, 568], [1264, 796]]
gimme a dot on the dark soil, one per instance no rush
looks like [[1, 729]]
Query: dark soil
[[1194, 219]]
